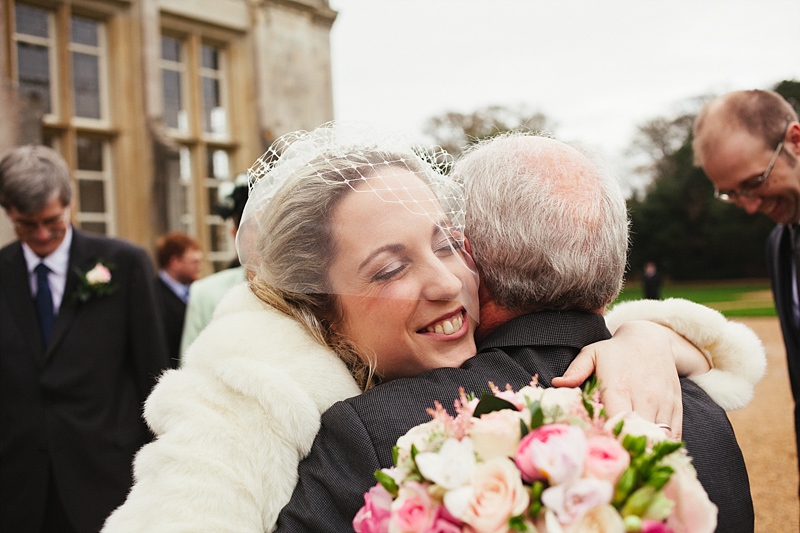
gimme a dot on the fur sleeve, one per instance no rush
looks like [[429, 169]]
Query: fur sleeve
[[733, 350]]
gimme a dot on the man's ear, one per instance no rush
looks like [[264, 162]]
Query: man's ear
[[793, 137], [468, 247]]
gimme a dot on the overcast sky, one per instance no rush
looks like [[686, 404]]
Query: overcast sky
[[596, 68]]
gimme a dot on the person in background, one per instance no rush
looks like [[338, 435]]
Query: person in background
[[81, 345], [205, 294], [179, 261], [651, 281], [748, 144]]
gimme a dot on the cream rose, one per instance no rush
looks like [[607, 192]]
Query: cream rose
[[496, 434], [497, 495]]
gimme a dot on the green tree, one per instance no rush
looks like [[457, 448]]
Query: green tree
[[455, 131]]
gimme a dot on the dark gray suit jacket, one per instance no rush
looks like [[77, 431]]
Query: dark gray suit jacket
[[357, 435], [779, 260], [75, 405]]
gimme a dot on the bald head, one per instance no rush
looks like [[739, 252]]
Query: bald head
[[547, 224], [760, 114]]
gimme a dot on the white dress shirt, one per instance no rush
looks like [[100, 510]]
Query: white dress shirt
[[57, 262]]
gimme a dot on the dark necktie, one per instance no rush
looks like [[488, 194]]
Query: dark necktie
[[44, 302]]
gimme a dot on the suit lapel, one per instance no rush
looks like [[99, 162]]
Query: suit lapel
[[20, 299], [79, 255]]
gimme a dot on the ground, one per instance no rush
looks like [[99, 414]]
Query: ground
[[766, 435]]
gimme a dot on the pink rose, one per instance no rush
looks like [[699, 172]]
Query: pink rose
[[497, 495], [693, 511], [651, 526], [605, 458], [373, 517], [572, 500], [496, 434], [554, 452], [444, 522], [98, 275], [413, 510]]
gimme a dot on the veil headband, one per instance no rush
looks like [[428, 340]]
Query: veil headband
[[297, 183]]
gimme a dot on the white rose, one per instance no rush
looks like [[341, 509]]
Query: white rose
[[450, 468], [98, 275]]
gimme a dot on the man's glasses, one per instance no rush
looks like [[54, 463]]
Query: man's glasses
[[52, 224], [749, 188]]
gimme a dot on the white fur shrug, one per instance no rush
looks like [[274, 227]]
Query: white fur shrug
[[232, 424]]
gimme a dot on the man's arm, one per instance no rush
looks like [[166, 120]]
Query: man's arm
[[334, 477]]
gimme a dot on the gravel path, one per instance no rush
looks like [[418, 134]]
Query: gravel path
[[766, 435]]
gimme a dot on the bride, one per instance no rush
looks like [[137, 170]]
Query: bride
[[334, 231]]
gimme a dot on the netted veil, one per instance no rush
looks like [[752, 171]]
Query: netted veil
[[332, 160]]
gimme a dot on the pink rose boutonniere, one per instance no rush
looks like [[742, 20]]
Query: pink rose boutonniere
[[536, 461], [94, 283]]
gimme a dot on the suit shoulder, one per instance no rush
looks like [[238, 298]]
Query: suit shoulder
[[112, 246], [10, 248]]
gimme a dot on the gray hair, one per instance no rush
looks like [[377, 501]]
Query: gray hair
[[31, 176], [548, 226]]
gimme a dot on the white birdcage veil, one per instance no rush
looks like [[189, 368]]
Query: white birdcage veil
[[335, 160]]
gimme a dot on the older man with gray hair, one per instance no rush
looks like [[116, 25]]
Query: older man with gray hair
[[549, 233], [80, 347]]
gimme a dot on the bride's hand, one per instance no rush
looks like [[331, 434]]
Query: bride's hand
[[638, 370]]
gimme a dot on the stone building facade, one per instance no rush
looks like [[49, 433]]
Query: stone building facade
[[154, 103]]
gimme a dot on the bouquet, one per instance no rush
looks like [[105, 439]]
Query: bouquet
[[539, 461]]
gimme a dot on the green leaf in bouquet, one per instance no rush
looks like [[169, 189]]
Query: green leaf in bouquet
[[387, 482], [518, 523], [590, 385], [638, 502], [490, 403], [537, 415], [632, 523], [395, 454], [660, 476], [635, 445], [626, 483], [618, 428], [414, 451], [523, 429], [666, 447]]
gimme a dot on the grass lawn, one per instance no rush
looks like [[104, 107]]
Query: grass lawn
[[743, 298]]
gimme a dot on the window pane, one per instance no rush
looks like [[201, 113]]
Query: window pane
[[31, 20], [172, 98], [34, 72], [94, 227], [86, 84], [170, 49], [92, 196], [90, 154], [210, 57], [210, 102], [84, 31], [219, 238]]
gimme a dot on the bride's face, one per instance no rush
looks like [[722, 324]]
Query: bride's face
[[403, 286]]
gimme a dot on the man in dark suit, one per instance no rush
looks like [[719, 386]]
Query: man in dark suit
[[748, 144], [541, 302], [81, 346], [179, 261]]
